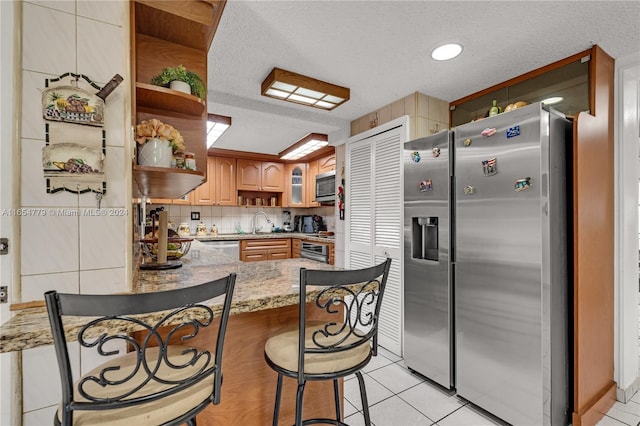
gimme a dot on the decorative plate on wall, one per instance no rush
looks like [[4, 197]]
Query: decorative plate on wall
[[73, 167], [70, 159], [71, 104]]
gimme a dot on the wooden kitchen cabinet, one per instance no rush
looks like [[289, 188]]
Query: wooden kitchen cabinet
[[266, 249], [163, 34], [311, 183], [184, 200], [225, 182], [567, 78], [332, 254], [264, 176], [295, 247], [326, 164], [220, 188], [296, 186], [205, 193]]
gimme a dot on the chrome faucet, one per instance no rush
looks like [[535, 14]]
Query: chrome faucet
[[255, 216]]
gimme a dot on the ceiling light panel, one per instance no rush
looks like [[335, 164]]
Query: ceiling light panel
[[300, 89], [305, 146], [216, 126]]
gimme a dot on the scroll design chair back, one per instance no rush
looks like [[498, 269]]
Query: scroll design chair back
[[334, 348], [162, 379]]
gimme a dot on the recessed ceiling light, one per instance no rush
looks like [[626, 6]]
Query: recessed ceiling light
[[446, 51], [553, 100]]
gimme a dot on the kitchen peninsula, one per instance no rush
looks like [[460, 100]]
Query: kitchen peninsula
[[264, 301]]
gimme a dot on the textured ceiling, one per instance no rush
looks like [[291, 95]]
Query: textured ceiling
[[381, 51]]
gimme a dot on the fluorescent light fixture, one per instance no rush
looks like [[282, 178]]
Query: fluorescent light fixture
[[216, 126], [553, 100], [305, 146], [446, 51], [303, 90]]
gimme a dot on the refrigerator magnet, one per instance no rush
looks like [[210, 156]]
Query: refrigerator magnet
[[468, 190], [436, 152], [415, 156], [489, 131], [490, 167], [522, 184], [512, 132], [425, 185], [467, 142]]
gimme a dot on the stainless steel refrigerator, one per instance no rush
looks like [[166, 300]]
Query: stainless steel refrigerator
[[508, 280], [428, 299]]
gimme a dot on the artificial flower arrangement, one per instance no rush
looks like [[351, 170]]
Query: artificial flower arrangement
[[154, 128]]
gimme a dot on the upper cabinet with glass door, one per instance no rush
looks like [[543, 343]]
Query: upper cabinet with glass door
[[563, 85], [296, 185]]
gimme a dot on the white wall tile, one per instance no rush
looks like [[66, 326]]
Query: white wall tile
[[115, 176], [102, 241], [104, 281], [106, 11], [48, 40], [41, 417], [34, 286], [33, 125], [422, 127], [41, 377], [185, 213], [100, 50], [410, 105], [114, 116], [49, 244], [68, 6], [397, 109], [33, 185], [423, 105]]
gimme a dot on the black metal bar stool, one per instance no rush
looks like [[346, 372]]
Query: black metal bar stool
[[158, 382], [329, 350]]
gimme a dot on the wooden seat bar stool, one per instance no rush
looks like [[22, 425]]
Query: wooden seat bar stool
[[334, 348], [159, 380]]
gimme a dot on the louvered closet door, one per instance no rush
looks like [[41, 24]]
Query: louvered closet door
[[360, 201], [388, 189], [374, 219]]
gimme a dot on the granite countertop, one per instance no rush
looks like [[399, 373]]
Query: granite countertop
[[259, 286], [265, 235]]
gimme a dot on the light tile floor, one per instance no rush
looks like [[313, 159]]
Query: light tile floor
[[398, 397]]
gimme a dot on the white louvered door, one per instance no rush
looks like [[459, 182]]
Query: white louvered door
[[374, 216]]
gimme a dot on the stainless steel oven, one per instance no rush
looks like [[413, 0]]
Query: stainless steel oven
[[314, 251]]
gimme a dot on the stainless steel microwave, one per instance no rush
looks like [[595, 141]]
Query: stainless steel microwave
[[326, 187]]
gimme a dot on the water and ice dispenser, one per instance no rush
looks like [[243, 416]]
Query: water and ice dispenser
[[424, 238]]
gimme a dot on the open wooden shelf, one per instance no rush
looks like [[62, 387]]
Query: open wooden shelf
[[163, 98], [168, 33], [168, 20], [161, 182]]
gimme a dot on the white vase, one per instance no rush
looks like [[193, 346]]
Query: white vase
[[155, 152], [180, 86]]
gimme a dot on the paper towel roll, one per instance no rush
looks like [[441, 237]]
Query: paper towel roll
[[163, 234]]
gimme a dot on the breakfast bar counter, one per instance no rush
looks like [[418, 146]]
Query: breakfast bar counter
[[265, 300]]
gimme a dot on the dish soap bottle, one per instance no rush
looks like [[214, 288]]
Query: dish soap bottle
[[214, 230], [495, 109]]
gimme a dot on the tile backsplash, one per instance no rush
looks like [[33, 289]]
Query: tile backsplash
[[227, 219]]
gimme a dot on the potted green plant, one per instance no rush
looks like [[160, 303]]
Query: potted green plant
[[179, 74]]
